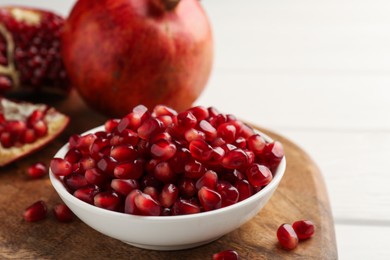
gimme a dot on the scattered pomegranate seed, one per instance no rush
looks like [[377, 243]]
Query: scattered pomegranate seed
[[197, 160], [226, 255], [304, 229], [37, 170], [62, 213], [35, 212], [287, 237]]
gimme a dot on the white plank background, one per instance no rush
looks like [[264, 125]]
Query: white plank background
[[317, 72]]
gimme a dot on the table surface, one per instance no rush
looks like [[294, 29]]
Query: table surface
[[320, 72]]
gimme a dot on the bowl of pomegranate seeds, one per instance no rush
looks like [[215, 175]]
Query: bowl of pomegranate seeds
[[164, 180]]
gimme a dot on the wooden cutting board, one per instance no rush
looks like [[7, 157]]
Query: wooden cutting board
[[301, 195]]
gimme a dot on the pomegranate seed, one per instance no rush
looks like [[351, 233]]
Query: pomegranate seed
[[147, 205], [29, 136], [287, 237], [199, 112], [150, 127], [194, 169], [96, 177], [244, 189], [73, 141], [73, 155], [256, 143], [166, 120], [178, 162], [87, 163], [75, 181], [131, 170], [218, 120], [6, 140], [62, 213], [126, 137], [164, 173], [35, 212], [163, 150], [111, 125], [304, 229], [208, 129], [123, 153], [160, 136], [213, 111], [229, 193], [187, 188], [152, 192], [258, 175], [40, 128], [161, 110], [273, 154], [130, 207], [209, 180], [227, 131], [200, 150], [209, 199], [240, 142], [107, 165], [168, 195], [194, 134], [107, 200], [60, 167], [186, 120], [216, 156], [226, 255], [124, 187], [246, 131], [37, 170], [35, 116], [184, 207], [251, 156], [97, 148], [86, 194], [84, 143], [235, 159], [150, 180]]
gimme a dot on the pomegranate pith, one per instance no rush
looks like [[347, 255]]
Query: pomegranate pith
[[145, 167]]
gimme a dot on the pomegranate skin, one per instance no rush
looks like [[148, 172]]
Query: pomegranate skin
[[122, 53]]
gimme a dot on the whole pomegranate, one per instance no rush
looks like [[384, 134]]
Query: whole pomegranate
[[125, 52]]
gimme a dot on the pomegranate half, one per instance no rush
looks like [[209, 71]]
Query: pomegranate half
[[121, 53], [26, 127], [30, 56]]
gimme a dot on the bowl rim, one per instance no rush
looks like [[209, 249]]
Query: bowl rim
[[63, 192]]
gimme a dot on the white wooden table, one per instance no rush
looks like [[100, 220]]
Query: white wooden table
[[317, 72]]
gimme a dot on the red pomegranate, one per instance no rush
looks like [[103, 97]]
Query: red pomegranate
[[122, 53]]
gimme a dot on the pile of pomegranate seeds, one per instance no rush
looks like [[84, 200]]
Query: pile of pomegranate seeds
[[289, 235], [30, 49], [21, 123], [163, 163]]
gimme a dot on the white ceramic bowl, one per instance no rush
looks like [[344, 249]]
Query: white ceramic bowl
[[167, 232]]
